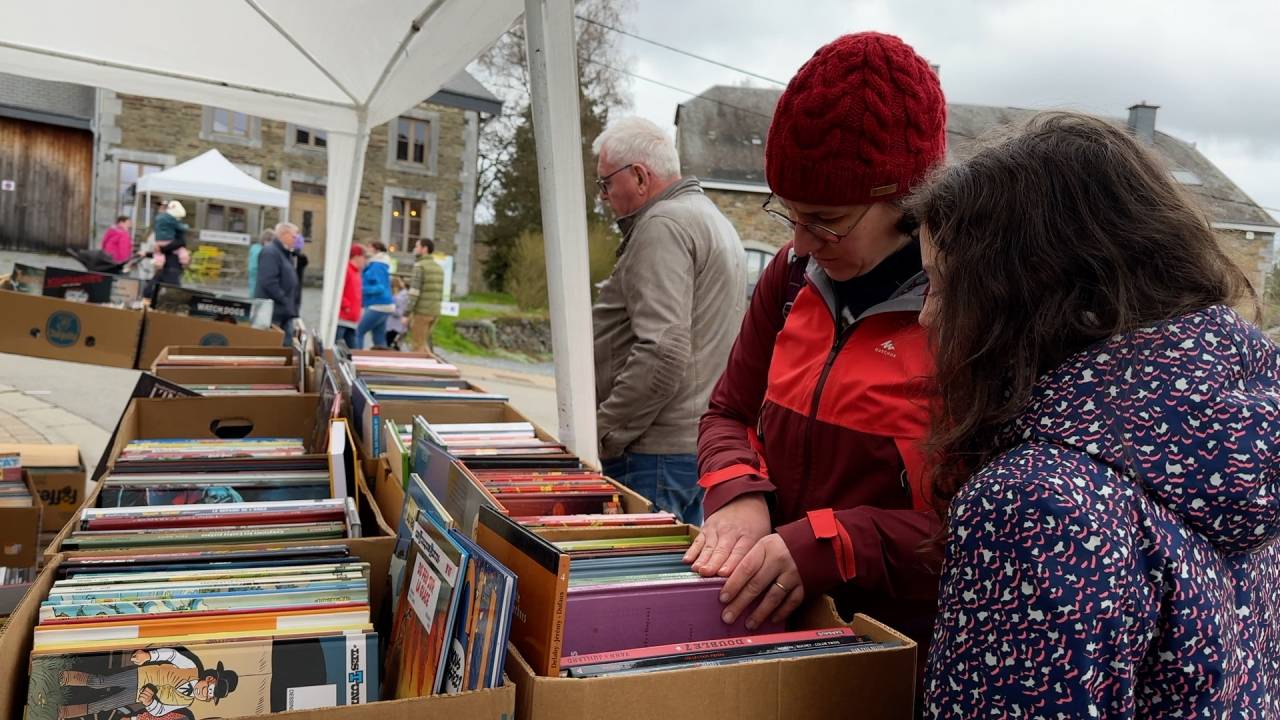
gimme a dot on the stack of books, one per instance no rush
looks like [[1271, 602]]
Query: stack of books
[[77, 285], [240, 361], [13, 491], [627, 604], [504, 445], [223, 390], [453, 606], [180, 491], [372, 362], [411, 387], [199, 634]]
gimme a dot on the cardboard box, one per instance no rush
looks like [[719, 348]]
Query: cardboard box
[[58, 475], [496, 704], [161, 330], [20, 531], [875, 685], [58, 329], [291, 355]]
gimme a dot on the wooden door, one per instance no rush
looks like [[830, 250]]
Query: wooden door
[[306, 210], [46, 179]]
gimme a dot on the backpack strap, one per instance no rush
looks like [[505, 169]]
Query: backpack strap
[[797, 270]]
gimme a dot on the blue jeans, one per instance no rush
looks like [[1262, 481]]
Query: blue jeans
[[347, 336], [670, 481], [374, 321]]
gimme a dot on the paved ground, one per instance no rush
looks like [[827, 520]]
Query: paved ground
[[59, 402]]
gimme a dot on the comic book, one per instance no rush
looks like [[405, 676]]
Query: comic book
[[423, 621], [477, 653], [205, 679]]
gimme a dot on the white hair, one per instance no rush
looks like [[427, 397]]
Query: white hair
[[639, 141], [286, 226]]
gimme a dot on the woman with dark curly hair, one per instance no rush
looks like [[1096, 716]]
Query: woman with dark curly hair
[[1107, 436]]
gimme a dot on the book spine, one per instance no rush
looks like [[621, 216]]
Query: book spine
[[705, 646]]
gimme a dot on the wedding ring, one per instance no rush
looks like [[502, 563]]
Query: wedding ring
[[781, 587]]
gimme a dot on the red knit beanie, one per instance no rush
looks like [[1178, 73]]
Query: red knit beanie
[[861, 122]]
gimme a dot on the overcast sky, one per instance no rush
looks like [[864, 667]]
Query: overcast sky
[[1212, 66]]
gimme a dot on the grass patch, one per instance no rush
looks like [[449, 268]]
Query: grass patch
[[446, 335], [488, 298]]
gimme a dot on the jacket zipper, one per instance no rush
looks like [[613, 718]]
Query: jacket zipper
[[836, 347]]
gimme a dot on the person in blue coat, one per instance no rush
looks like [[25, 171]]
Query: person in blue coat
[[1106, 443], [278, 279], [379, 303]]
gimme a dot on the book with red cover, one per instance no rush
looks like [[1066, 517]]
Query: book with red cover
[[557, 503], [600, 618], [214, 520], [688, 648], [597, 520]]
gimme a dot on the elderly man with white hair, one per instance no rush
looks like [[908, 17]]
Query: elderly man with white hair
[[278, 278], [665, 319]]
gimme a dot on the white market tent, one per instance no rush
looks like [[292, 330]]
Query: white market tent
[[212, 176], [343, 66]]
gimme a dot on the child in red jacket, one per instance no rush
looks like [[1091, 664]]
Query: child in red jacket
[[349, 310]]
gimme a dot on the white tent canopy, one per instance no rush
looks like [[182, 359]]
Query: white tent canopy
[[343, 66], [212, 176]]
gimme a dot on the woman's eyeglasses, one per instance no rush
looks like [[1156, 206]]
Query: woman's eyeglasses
[[782, 214]]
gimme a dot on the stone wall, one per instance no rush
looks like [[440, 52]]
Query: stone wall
[[169, 132], [523, 335], [1253, 256], [752, 224]]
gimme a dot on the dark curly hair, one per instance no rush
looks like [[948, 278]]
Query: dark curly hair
[[1058, 235]]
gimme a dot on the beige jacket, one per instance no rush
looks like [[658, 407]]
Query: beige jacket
[[665, 321]]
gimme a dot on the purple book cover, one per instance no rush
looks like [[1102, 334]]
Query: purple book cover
[[600, 618]]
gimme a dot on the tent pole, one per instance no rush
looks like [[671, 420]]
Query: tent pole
[[342, 199], [553, 79], [148, 208]]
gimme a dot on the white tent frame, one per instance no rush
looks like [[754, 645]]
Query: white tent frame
[[442, 37]]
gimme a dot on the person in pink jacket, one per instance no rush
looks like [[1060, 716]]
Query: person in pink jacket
[[117, 241]]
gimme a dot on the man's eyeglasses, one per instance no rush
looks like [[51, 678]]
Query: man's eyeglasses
[[603, 183], [782, 215]]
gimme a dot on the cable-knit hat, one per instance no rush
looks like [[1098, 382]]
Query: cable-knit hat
[[861, 122]]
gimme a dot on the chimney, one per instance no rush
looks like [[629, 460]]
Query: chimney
[[1142, 122]]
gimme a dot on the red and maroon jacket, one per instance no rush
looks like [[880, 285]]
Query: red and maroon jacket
[[828, 424]]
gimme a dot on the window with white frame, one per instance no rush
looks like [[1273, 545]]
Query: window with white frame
[[412, 141], [408, 223], [222, 125]]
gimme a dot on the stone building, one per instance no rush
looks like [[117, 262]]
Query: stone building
[[419, 174], [720, 136]]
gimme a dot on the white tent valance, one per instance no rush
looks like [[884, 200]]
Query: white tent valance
[[213, 177], [343, 67]]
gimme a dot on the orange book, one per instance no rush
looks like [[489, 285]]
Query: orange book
[[198, 624], [537, 626]]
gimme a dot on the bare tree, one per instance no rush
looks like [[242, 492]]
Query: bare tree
[[504, 71]]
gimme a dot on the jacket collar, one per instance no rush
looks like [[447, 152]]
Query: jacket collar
[[909, 297], [627, 223]]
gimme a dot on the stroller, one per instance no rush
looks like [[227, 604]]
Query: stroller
[[99, 261]]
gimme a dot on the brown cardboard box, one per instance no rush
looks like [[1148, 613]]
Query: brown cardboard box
[[59, 329], [291, 373], [876, 685], [161, 330], [58, 475], [496, 704], [20, 531]]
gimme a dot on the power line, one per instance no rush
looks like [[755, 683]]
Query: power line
[[677, 50], [690, 93]]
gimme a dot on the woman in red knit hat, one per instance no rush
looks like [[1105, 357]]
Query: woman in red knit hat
[[810, 450]]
